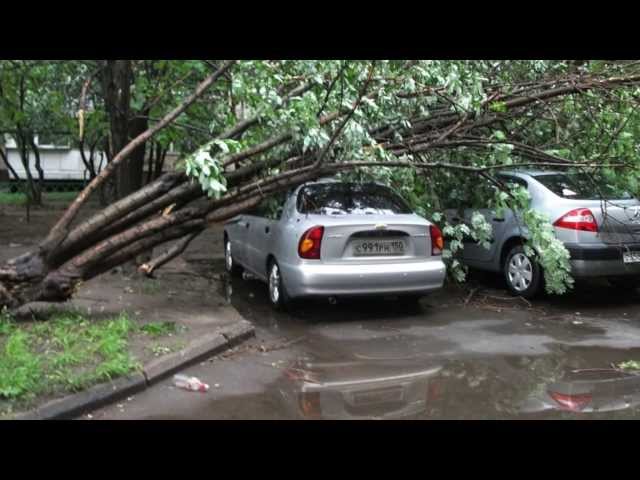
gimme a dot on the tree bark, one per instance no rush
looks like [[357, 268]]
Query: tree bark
[[135, 167], [116, 78], [36, 152], [10, 168], [32, 191]]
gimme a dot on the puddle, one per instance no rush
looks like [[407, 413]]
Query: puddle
[[374, 360], [578, 384]]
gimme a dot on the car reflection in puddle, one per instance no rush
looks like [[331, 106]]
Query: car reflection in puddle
[[419, 388], [356, 389], [588, 391]]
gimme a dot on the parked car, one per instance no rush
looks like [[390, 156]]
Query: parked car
[[598, 226], [332, 239], [356, 390], [590, 391]]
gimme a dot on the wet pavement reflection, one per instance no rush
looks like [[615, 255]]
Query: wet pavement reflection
[[442, 359], [396, 376]]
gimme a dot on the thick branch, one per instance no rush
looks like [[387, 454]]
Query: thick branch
[[165, 257], [85, 234]]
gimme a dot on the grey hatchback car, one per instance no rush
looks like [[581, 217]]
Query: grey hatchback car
[[332, 239], [598, 225]]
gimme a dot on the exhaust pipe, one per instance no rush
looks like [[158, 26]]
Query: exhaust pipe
[[333, 300]]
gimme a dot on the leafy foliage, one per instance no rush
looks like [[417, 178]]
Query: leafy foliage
[[463, 119]]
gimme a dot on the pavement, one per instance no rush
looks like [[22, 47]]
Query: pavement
[[473, 353], [485, 356], [206, 322]]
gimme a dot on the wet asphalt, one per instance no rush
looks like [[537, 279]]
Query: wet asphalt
[[483, 356]]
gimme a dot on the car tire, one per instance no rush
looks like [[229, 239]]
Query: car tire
[[278, 296], [626, 284], [410, 300], [523, 275], [230, 266]]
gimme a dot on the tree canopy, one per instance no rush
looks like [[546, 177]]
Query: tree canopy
[[248, 129]]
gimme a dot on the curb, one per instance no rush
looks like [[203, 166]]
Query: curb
[[74, 405]]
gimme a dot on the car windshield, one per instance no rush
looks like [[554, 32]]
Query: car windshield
[[579, 186], [350, 198]]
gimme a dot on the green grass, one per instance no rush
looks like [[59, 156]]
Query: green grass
[[68, 352], [159, 329], [19, 198], [64, 354], [159, 349]]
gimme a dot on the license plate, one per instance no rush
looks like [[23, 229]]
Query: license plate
[[378, 247], [631, 257], [378, 396]]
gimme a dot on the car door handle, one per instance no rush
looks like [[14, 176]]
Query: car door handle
[[247, 224], [455, 219], [498, 219], [267, 229]]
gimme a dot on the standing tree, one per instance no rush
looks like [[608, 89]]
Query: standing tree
[[32, 96]]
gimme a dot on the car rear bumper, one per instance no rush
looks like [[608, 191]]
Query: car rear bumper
[[320, 279], [601, 260]]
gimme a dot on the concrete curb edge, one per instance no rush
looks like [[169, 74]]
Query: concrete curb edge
[[103, 394]]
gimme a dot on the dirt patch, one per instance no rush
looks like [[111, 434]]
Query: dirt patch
[[182, 297]]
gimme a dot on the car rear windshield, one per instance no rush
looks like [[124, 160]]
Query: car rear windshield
[[579, 186], [350, 198]]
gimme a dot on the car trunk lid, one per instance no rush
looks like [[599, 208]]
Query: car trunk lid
[[618, 220], [365, 238]]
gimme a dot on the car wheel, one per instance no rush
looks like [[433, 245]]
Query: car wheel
[[410, 300], [277, 291], [523, 274], [229, 264], [626, 284]]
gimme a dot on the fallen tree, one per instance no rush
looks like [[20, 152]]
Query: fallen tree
[[306, 124]]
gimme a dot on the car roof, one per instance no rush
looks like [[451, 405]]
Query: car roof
[[530, 172], [334, 180]]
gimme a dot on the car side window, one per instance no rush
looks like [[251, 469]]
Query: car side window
[[471, 192], [271, 207], [516, 180]]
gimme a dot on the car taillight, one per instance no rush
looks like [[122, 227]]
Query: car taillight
[[573, 403], [434, 390], [437, 242], [310, 243], [578, 219], [310, 404]]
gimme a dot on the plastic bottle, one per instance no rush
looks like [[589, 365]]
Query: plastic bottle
[[190, 383]]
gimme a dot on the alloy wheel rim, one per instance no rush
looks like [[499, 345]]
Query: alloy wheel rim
[[520, 272], [274, 284], [227, 256]]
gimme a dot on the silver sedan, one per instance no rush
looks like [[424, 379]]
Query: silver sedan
[[332, 239], [599, 226]]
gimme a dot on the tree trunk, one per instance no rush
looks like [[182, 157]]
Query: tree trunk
[[105, 192], [135, 169], [36, 151], [32, 191], [116, 77], [150, 162], [161, 155], [10, 168]]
